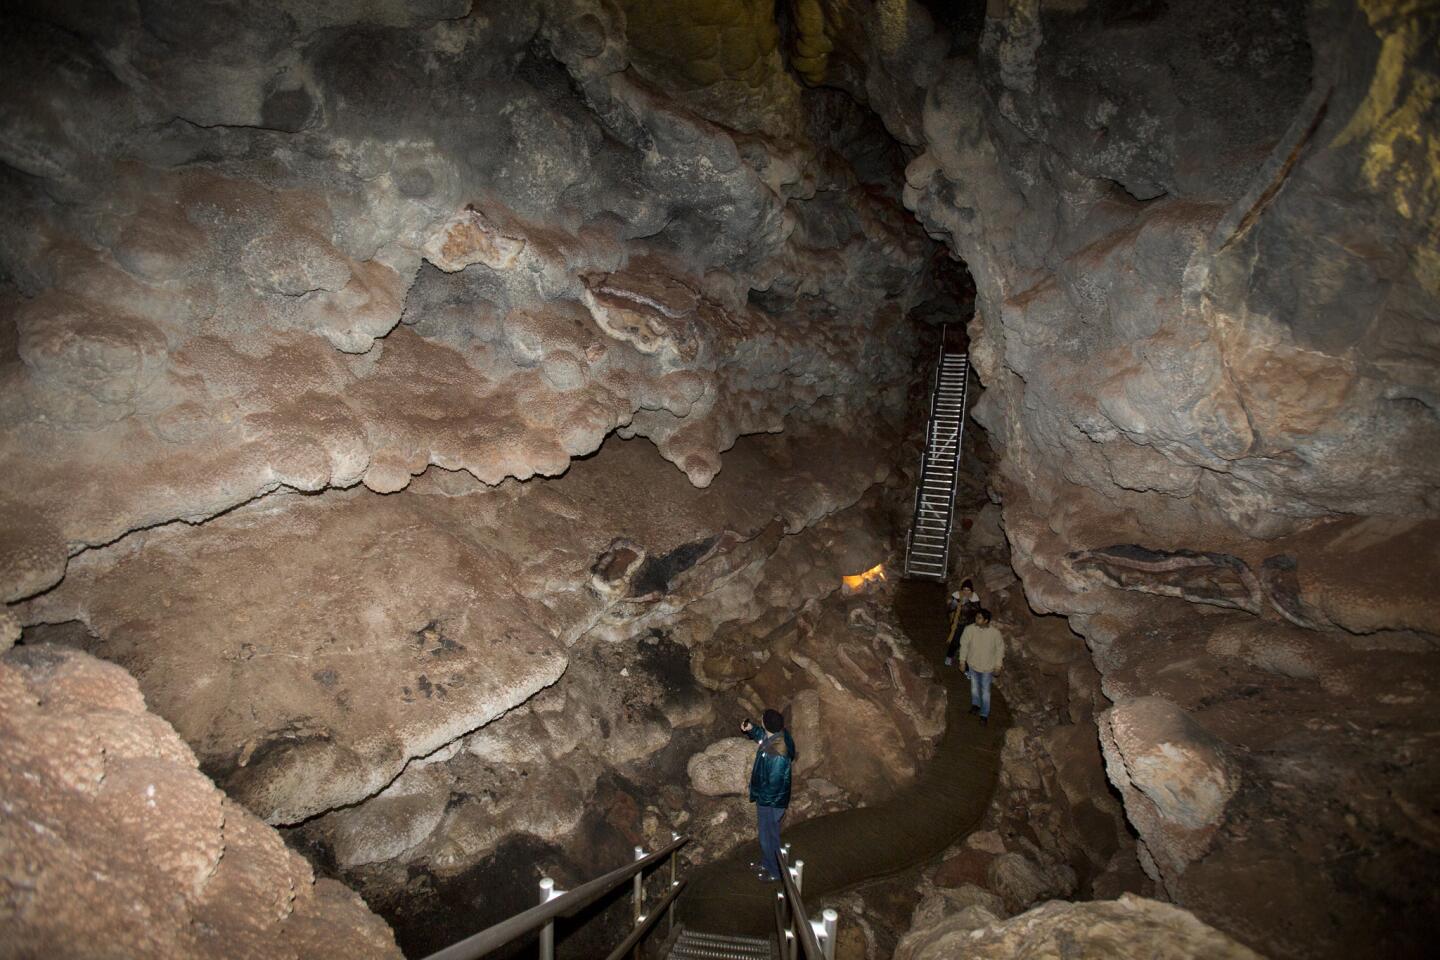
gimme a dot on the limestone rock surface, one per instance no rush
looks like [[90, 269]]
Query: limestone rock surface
[[292, 247], [1131, 928], [723, 768], [1204, 254], [114, 844]]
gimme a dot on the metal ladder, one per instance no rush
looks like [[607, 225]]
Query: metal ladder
[[927, 554]]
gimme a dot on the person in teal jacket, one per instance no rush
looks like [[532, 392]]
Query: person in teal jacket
[[770, 786]]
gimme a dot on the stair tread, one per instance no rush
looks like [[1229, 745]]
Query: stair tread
[[698, 944]]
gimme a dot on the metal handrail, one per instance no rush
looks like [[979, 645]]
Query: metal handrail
[[801, 929], [647, 921], [942, 451], [565, 905], [930, 420]]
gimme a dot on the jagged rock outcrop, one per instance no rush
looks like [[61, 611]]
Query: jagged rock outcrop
[[1131, 927], [1204, 252], [285, 247], [292, 301], [113, 843]]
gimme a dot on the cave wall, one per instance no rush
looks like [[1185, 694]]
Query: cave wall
[[456, 418], [313, 318], [1204, 242], [313, 247]]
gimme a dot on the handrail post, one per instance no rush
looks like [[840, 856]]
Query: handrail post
[[547, 932], [674, 857], [639, 897], [825, 931], [798, 872]]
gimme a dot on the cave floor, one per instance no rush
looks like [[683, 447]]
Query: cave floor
[[946, 801]]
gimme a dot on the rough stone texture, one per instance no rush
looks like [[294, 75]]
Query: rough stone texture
[[313, 321], [1173, 776], [286, 247], [1019, 881], [1205, 259], [1132, 928], [723, 768], [114, 844]]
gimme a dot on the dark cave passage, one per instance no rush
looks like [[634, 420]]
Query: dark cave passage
[[430, 429]]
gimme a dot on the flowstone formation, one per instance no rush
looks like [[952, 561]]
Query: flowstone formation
[[1205, 252], [455, 417], [288, 246], [313, 322]]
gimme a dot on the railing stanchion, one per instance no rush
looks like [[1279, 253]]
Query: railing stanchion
[[547, 932], [639, 897], [674, 857], [830, 923]]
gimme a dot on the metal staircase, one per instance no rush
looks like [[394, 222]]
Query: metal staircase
[[797, 936], [927, 554], [693, 945]]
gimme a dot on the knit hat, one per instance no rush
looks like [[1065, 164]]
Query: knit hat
[[773, 721]]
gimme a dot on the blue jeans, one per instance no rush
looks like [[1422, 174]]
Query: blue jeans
[[769, 819], [980, 690]]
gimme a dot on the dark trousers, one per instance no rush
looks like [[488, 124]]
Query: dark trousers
[[966, 618], [769, 820]]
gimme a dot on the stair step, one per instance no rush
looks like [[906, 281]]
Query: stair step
[[695, 945], [689, 934], [740, 946]]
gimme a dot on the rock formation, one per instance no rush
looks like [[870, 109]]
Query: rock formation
[[114, 844], [314, 322], [456, 418], [1205, 258], [1131, 927]]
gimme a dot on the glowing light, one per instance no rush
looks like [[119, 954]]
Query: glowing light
[[860, 580]]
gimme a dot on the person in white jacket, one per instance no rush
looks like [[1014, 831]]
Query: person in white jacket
[[982, 653]]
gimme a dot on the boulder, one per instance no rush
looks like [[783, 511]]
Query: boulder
[[1131, 928], [113, 836], [1174, 777], [723, 768]]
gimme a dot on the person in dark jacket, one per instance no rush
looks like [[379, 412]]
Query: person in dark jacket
[[770, 785], [965, 604]]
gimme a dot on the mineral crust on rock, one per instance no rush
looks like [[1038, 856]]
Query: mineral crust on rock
[[455, 418], [114, 844]]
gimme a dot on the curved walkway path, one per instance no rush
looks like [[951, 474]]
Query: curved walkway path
[[945, 802]]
